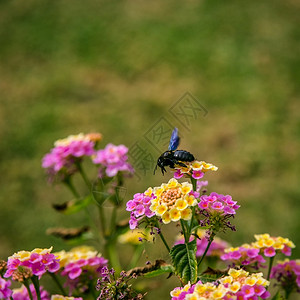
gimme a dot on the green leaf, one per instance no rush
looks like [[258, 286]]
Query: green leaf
[[278, 296], [185, 262], [73, 206], [160, 271]]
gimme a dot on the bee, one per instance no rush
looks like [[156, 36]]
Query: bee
[[172, 157]]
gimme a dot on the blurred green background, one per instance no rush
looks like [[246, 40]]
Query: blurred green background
[[117, 67]]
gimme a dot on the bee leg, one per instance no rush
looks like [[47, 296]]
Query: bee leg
[[181, 164], [155, 170]]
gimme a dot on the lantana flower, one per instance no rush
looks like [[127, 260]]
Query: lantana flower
[[60, 297], [80, 265], [216, 248], [173, 201], [217, 209], [287, 274], [22, 293], [37, 262], [139, 207], [244, 255], [5, 291], [239, 284], [196, 169], [134, 237], [112, 159], [272, 245], [62, 159]]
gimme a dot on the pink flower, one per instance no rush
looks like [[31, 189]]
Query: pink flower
[[269, 252], [22, 294], [113, 159], [5, 291], [178, 174], [197, 174]]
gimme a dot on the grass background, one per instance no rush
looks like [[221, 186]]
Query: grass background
[[118, 66]]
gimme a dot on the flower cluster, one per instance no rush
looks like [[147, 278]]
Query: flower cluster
[[287, 273], [134, 237], [66, 152], [60, 297], [173, 200], [139, 207], [5, 291], [111, 287], [237, 285], [218, 203], [196, 169], [37, 262], [80, 265], [113, 159], [244, 255], [22, 293], [216, 248], [271, 245]]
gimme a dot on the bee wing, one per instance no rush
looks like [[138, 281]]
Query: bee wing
[[174, 141]]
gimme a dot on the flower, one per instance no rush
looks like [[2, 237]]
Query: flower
[[196, 169], [81, 265], [244, 255], [5, 291], [216, 248], [112, 159], [60, 297], [239, 284], [112, 287], [62, 159], [22, 293], [135, 237], [287, 274], [173, 200], [272, 245], [37, 262], [139, 207]]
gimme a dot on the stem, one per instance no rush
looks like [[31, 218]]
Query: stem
[[102, 221], [54, 277], [113, 219], [164, 241], [113, 255], [194, 183], [136, 256], [28, 289], [71, 187], [36, 283], [186, 239], [92, 289], [84, 177], [207, 247], [270, 267]]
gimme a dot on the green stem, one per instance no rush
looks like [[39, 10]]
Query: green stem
[[194, 183], [92, 289], [112, 254], [186, 239], [84, 177], [136, 256], [102, 221], [164, 241], [28, 288], [207, 247], [270, 267], [113, 220], [36, 283], [55, 279], [71, 187]]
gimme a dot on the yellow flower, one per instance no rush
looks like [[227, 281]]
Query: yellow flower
[[166, 218], [175, 214], [181, 204], [251, 280], [132, 236], [219, 293], [234, 288], [148, 192], [186, 214], [161, 209], [173, 183], [191, 200]]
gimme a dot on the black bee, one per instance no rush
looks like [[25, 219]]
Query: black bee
[[174, 157]]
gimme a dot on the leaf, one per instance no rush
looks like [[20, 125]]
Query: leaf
[[73, 206], [152, 270], [210, 275], [185, 262], [278, 296]]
